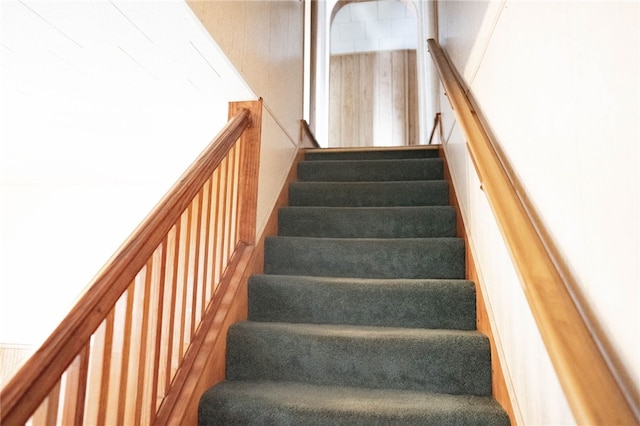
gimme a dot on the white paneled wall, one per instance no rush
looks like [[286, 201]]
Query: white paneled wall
[[373, 25], [264, 41], [104, 104], [558, 85]]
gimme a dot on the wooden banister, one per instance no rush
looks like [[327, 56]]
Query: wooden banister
[[584, 371], [115, 354]]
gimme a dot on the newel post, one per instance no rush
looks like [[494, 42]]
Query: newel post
[[249, 164]]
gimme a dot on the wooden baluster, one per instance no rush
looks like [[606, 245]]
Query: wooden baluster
[[182, 287], [172, 330], [216, 226], [222, 199], [233, 198], [195, 250], [136, 331], [95, 377], [228, 220], [140, 333], [123, 394], [47, 413], [76, 389], [236, 197], [206, 229], [158, 295], [224, 188], [107, 351], [211, 240]]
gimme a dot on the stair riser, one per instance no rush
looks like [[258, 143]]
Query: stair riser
[[389, 222], [448, 304], [446, 362], [368, 194], [371, 171], [326, 155], [366, 258]]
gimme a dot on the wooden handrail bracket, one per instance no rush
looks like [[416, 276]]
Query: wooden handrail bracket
[[594, 394]]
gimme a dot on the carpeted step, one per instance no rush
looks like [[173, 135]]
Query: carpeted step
[[362, 315], [443, 361], [371, 170], [366, 257], [435, 304], [259, 403], [381, 154], [368, 222], [369, 194]]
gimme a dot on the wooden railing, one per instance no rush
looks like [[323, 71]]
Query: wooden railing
[[582, 363], [124, 349]]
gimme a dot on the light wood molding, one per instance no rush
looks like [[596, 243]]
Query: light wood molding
[[591, 388], [307, 139], [249, 162], [498, 384]]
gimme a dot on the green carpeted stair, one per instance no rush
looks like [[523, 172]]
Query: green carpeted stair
[[363, 315]]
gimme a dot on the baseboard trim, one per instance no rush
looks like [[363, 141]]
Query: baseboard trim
[[499, 385]]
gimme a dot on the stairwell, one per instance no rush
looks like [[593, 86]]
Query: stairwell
[[362, 315]]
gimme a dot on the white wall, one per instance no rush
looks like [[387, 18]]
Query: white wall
[[373, 26], [558, 85], [104, 105], [265, 41]]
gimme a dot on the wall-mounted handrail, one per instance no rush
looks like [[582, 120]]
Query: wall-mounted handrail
[[583, 368], [114, 356]]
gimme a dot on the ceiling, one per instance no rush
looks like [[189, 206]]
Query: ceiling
[[106, 80]]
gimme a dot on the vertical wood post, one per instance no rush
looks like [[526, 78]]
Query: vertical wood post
[[249, 163]]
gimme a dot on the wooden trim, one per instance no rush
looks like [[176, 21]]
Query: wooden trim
[[498, 384], [307, 139], [374, 148], [24, 393], [249, 161], [437, 123], [596, 397]]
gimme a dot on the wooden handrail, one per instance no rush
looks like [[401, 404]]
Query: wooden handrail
[[584, 371], [169, 256]]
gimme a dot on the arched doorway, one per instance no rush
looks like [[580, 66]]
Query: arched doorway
[[373, 74], [319, 53]]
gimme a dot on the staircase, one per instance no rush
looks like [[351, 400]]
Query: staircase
[[363, 315]]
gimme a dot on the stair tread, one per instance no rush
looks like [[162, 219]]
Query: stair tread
[[268, 402], [424, 303], [449, 361]]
